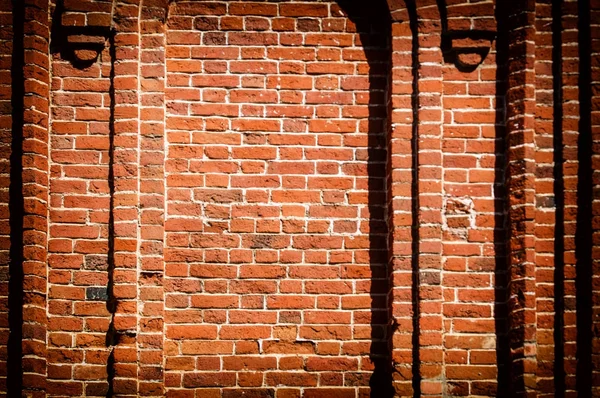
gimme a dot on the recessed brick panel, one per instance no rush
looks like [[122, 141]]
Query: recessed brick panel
[[275, 174]]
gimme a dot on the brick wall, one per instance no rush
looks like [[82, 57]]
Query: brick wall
[[275, 131], [6, 120], [298, 199]]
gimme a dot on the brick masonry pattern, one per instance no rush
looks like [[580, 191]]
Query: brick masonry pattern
[[299, 199]]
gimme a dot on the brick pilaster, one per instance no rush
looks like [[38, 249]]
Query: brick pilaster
[[569, 128], [152, 198], [402, 298], [124, 267], [521, 196], [36, 75], [546, 115], [428, 143]]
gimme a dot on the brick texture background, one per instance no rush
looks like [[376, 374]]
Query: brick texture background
[[6, 120], [299, 198]]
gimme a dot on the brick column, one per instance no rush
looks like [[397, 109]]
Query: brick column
[[152, 197], [521, 196], [35, 194], [416, 201], [400, 204], [124, 231], [569, 127], [545, 233], [428, 145]]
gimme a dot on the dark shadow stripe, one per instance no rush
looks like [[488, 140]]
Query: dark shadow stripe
[[111, 302], [16, 208], [372, 21], [415, 203], [559, 190], [583, 233], [501, 236]]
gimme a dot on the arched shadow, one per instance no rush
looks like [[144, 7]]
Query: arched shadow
[[369, 19], [381, 381]]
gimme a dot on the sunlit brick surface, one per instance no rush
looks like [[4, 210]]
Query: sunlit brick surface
[[275, 231], [299, 199]]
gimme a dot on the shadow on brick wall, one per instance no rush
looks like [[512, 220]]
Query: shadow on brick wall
[[559, 202], [16, 209], [585, 230], [112, 338], [500, 209], [373, 24]]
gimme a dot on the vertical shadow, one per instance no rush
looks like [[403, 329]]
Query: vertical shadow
[[501, 237], [111, 302], [415, 203], [381, 380], [583, 233], [373, 25], [559, 201], [16, 208]]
